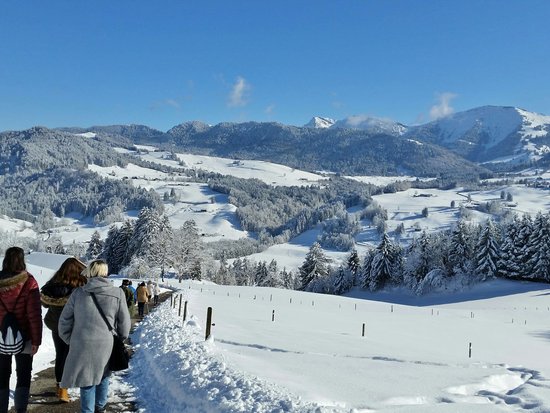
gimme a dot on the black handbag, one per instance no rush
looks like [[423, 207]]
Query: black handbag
[[119, 355]]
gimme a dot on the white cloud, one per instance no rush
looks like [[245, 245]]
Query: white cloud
[[443, 107], [239, 91], [172, 103], [270, 109]]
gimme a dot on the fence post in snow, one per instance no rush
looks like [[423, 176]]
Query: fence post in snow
[[179, 309], [208, 322], [363, 334], [273, 315], [392, 308], [171, 298], [185, 311], [470, 351]]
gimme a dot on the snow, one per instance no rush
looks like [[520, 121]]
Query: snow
[[312, 357], [534, 124], [270, 173], [86, 134], [497, 122]]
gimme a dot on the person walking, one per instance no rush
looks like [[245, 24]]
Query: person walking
[[90, 342], [54, 295], [19, 295], [142, 298], [129, 296], [156, 293]]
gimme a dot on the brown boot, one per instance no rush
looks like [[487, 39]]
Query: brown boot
[[63, 395]]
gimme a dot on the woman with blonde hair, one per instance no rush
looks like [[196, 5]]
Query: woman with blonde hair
[[20, 296], [54, 295], [83, 328]]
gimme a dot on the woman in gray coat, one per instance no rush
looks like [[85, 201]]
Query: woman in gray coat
[[90, 341]]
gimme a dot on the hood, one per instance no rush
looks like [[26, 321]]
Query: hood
[[10, 281], [100, 285]]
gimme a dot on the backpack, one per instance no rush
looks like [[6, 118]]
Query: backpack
[[129, 296], [12, 338]]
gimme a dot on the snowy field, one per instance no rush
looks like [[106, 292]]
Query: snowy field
[[275, 350], [216, 217]]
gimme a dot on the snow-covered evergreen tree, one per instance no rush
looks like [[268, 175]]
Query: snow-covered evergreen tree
[[461, 249], [314, 267], [540, 259], [384, 264], [487, 253], [151, 230], [526, 247], [353, 264], [261, 276], [95, 247], [508, 265], [342, 281], [188, 250], [418, 261]]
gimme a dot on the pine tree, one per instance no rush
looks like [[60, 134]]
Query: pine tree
[[151, 229], [418, 262], [383, 264], [353, 264], [261, 277], [187, 251], [314, 267], [508, 265], [540, 259], [526, 251], [487, 253], [121, 254], [95, 247], [341, 281], [460, 249]]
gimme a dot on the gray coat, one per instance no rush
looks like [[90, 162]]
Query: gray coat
[[82, 327]]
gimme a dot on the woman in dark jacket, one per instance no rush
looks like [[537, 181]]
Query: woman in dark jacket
[[54, 295], [19, 294]]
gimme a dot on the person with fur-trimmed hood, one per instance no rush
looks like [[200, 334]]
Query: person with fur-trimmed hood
[[20, 295], [90, 342], [54, 295]]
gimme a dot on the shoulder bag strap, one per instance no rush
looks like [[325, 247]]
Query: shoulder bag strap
[[102, 313]]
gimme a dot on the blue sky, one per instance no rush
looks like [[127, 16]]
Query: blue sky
[[161, 63]]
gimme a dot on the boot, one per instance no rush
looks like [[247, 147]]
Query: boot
[[63, 395], [21, 399]]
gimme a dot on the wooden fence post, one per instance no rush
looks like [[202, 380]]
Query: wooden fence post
[[185, 311], [208, 322]]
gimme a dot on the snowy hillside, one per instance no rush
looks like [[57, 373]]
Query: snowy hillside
[[490, 132], [483, 350]]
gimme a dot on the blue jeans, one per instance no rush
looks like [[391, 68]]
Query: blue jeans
[[94, 396]]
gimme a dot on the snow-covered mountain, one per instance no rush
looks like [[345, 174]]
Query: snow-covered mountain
[[318, 122], [371, 124], [490, 134]]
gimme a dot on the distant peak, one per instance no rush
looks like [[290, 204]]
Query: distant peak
[[318, 122], [371, 124]]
